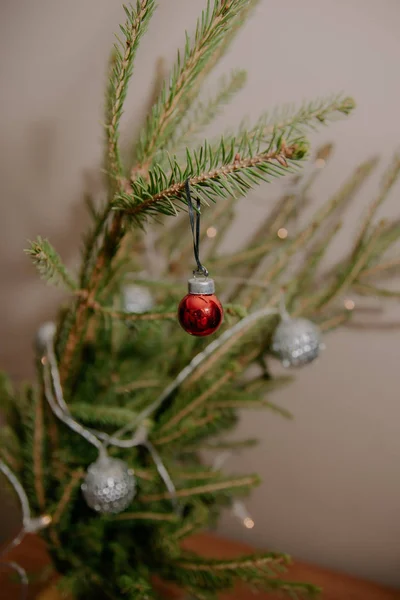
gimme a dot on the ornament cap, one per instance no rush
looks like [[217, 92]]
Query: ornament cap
[[201, 285]]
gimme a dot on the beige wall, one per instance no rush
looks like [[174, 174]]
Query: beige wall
[[331, 490]]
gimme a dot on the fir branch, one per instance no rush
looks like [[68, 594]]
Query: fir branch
[[224, 224], [189, 98], [123, 315], [58, 467], [125, 388], [244, 256], [136, 586], [211, 173], [27, 402], [394, 263], [251, 402], [146, 474], [204, 575], [49, 263], [38, 441], [122, 66], [346, 193], [389, 179], [210, 33], [226, 347], [195, 475], [293, 589], [197, 518], [90, 243], [147, 316], [10, 448], [66, 496], [286, 208], [334, 322], [103, 416], [147, 516], [276, 219], [264, 385], [55, 540], [183, 430], [196, 402], [308, 117], [223, 445], [7, 399], [239, 565], [371, 290], [137, 22], [389, 236], [345, 280], [204, 113], [260, 570], [240, 483], [305, 277]]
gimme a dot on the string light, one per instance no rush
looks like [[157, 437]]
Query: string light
[[248, 522], [282, 233], [349, 304], [34, 525], [240, 511], [211, 232]]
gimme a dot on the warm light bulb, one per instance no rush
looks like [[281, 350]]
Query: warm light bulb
[[349, 304], [282, 233], [320, 163], [211, 232], [46, 520], [248, 522], [37, 524]]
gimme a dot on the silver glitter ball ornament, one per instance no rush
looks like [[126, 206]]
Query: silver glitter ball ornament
[[109, 485], [137, 299], [296, 342]]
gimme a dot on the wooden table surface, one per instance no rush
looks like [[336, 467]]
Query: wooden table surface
[[31, 554]]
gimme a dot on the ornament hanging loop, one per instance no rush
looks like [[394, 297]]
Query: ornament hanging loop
[[203, 272], [194, 218]]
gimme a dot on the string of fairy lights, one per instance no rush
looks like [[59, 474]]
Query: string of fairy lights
[[110, 485]]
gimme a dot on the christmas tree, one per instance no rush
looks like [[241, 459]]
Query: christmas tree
[[108, 442]]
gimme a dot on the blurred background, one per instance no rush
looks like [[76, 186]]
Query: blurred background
[[331, 491]]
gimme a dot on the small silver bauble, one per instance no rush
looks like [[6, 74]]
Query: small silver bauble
[[44, 335], [296, 342], [137, 299], [109, 485]]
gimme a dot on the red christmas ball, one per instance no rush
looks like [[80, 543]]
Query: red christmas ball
[[200, 314]]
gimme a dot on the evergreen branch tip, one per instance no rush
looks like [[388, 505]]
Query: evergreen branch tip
[[49, 263]]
